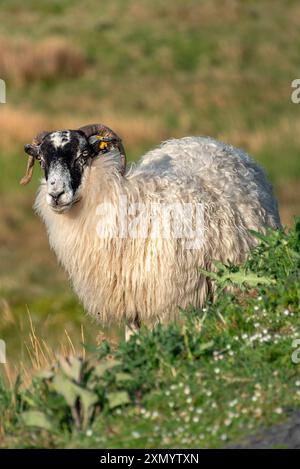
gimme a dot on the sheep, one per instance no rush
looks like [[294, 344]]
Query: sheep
[[132, 240]]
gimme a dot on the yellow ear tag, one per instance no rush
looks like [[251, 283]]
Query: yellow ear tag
[[102, 145]]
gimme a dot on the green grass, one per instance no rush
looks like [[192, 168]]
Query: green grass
[[221, 373]]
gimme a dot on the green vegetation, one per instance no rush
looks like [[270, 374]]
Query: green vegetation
[[220, 373]]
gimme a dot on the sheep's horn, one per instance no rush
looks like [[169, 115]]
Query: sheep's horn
[[106, 132], [31, 150], [29, 171]]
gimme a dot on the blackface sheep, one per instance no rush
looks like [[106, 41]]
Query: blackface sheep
[[132, 239]]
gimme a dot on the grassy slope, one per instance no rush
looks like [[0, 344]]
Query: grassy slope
[[222, 373], [160, 69], [151, 70]]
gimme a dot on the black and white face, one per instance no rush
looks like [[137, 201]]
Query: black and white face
[[64, 156]]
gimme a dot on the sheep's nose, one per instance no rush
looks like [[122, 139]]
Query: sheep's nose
[[56, 195]]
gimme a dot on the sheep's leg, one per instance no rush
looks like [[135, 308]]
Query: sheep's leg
[[131, 329]]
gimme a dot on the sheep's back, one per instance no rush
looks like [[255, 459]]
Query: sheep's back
[[216, 174]]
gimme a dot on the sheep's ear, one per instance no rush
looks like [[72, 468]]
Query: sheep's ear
[[32, 150], [102, 139], [99, 144]]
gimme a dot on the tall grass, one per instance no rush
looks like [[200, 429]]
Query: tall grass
[[23, 61]]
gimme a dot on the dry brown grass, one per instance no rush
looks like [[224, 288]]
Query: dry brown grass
[[19, 125], [193, 12], [39, 355], [289, 201], [256, 140], [23, 61]]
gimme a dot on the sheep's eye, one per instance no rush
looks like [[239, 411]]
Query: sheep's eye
[[80, 160], [82, 157]]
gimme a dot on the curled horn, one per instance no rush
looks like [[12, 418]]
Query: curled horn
[[32, 151], [110, 135]]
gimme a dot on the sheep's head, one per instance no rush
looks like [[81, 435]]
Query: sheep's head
[[64, 155]]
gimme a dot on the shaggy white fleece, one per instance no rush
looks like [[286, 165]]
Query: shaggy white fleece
[[147, 278]]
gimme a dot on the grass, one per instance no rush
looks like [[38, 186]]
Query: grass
[[221, 373], [27, 62], [151, 71]]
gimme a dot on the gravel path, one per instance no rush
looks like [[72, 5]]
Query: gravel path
[[285, 435]]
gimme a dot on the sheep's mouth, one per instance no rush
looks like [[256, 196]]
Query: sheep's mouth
[[62, 208]]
